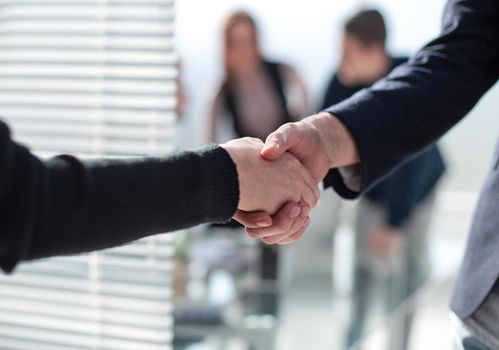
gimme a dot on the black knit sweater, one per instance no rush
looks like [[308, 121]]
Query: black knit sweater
[[65, 205]]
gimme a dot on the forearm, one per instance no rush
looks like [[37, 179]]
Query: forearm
[[64, 205], [118, 201]]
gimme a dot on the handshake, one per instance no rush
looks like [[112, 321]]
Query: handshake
[[278, 179]]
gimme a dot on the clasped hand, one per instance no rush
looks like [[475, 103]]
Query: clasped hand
[[278, 180]]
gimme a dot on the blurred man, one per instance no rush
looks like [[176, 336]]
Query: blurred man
[[393, 217]]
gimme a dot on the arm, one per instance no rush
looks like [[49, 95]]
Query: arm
[[65, 205], [400, 115], [419, 101]]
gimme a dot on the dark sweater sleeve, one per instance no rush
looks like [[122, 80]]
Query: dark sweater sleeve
[[65, 205], [419, 101]]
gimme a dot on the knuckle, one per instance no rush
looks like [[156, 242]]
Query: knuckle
[[288, 128], [253, 233], [268, 240]]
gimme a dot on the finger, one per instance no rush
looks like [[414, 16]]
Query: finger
[[281, 222], [279, 142], [295, 236], [255, 219], [297, 225]]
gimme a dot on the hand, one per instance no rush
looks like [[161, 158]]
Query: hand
[[266, 186], [287, 226], [320, 142], [385, 241], [305, 141]]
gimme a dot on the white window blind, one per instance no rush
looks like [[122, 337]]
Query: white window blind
[[92, 78]]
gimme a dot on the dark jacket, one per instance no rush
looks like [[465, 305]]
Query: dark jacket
[[402, 190], [65, 205], [417, 103]]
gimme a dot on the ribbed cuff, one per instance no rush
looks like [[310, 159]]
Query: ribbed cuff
[[220, 184]]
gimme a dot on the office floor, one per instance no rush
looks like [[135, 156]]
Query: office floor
[[315, 288], [315, 304], [312, 320]]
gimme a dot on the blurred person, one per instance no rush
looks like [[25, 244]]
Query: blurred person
[[359, 141], [392, 217], [257, 95], [65, 205]]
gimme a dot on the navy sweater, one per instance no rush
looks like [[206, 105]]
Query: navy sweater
[[402, 190]]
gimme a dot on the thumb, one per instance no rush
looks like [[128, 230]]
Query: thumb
[[277, 144]]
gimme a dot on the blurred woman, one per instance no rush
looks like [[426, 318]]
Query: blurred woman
[[256, 95], [254, 99]]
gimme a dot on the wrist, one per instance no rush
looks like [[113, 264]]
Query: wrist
[[219, 185], [337, 140], [235, 157]]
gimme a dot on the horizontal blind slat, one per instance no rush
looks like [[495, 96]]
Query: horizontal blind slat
[[127, 318], [72, 341]]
